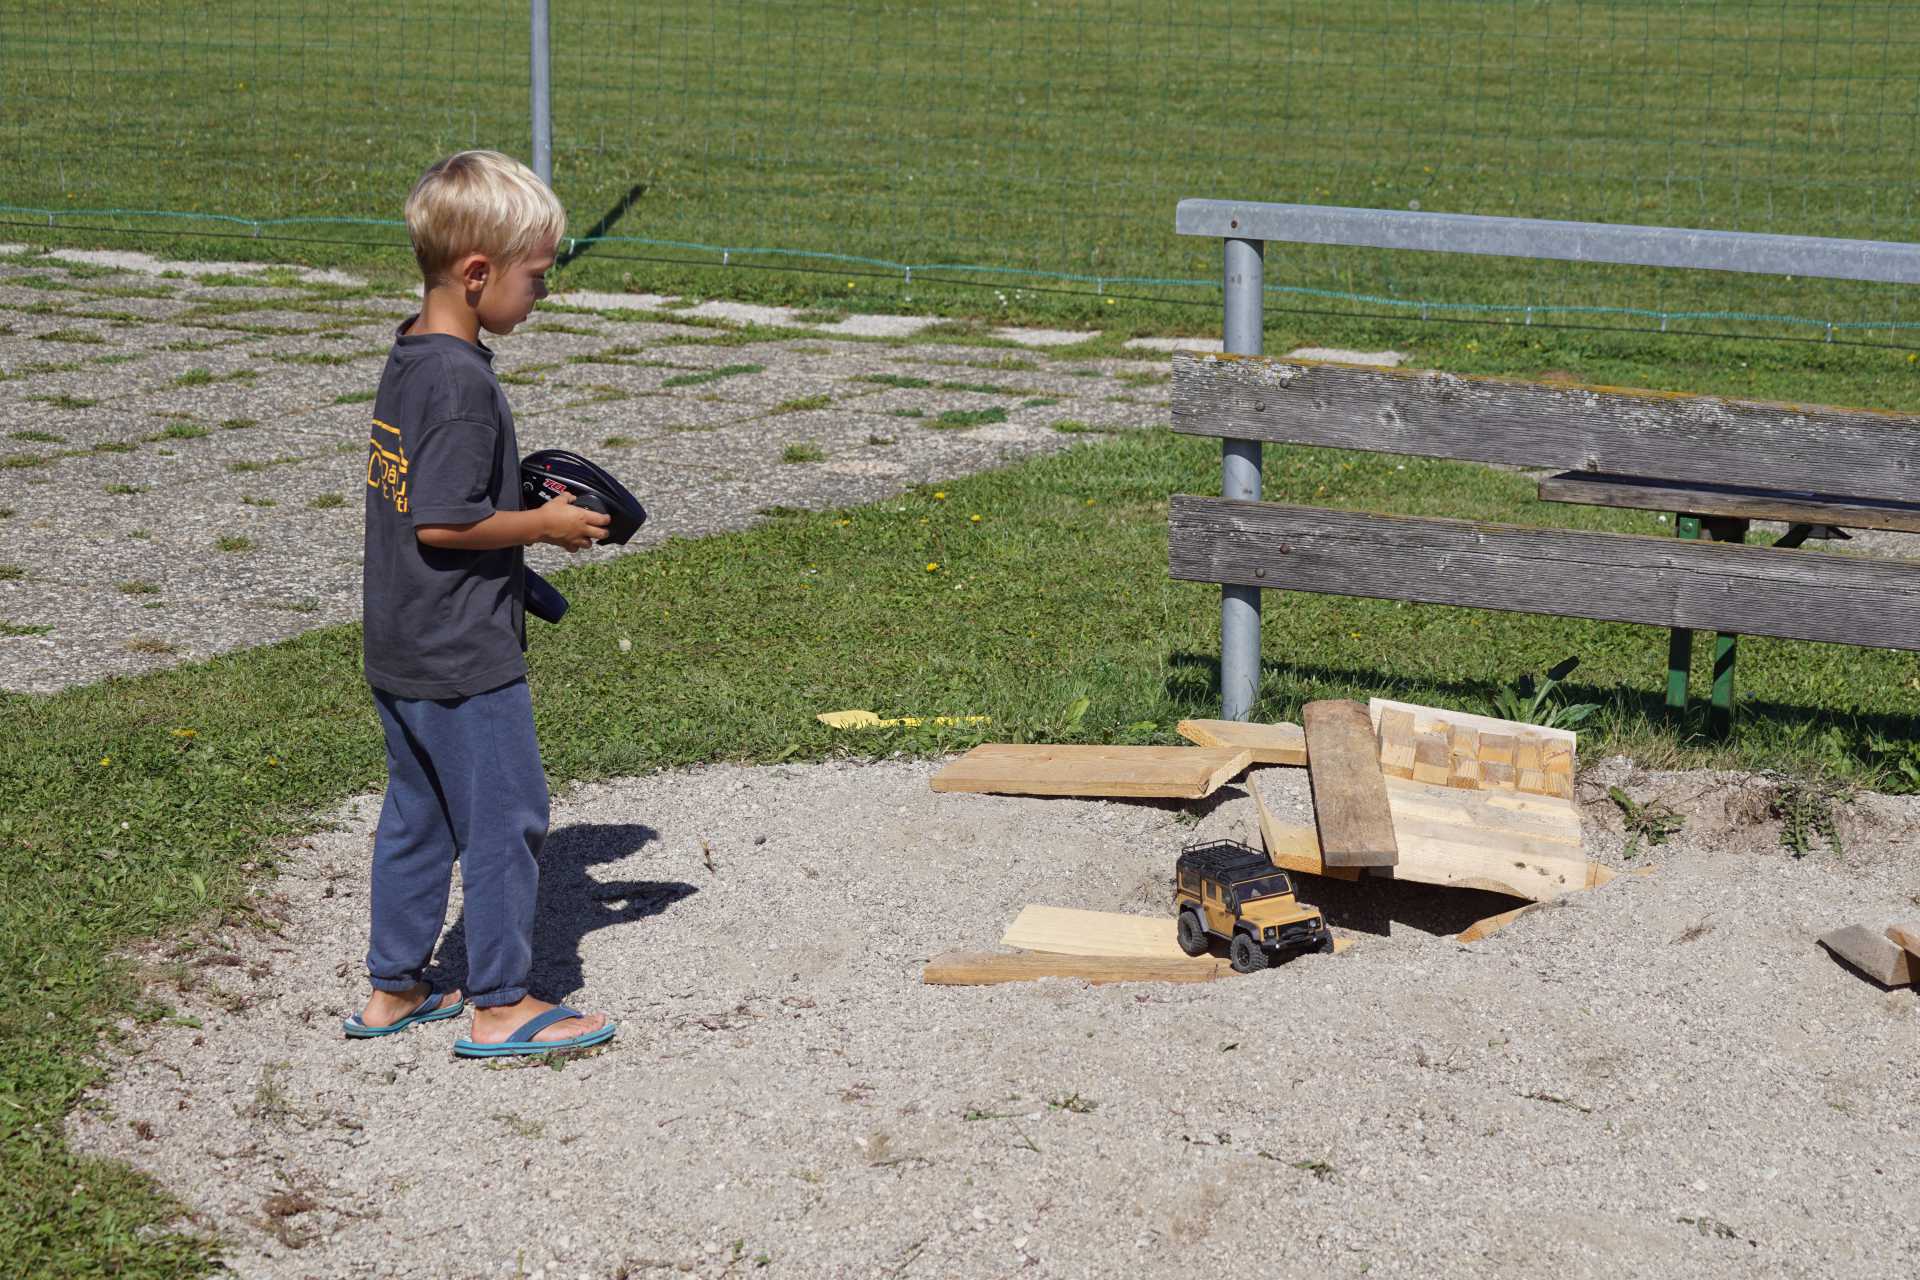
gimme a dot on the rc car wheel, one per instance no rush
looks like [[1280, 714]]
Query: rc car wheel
[[1325, 945], [1246, 954], [1192, 934]]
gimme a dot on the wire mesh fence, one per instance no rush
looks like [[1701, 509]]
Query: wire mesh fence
[[1005, 139]]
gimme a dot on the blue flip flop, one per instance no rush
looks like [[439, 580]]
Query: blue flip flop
[[522, 1041], [427, 1010]]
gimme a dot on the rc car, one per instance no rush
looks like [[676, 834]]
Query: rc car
[[1232, 891]]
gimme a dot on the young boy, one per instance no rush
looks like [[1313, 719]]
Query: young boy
[[444, 622]]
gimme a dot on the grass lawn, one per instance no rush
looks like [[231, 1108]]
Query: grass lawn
[[1030, 138], [141, 807]]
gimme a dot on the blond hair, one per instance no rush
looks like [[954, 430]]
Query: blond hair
[[480, 202]]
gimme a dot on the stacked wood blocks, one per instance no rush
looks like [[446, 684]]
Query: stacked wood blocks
[[1472, 753]]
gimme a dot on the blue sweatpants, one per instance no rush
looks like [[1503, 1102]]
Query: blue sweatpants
[[463, 781]]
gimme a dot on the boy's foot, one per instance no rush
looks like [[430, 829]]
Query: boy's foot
[[496, 1024], [384, 1008]]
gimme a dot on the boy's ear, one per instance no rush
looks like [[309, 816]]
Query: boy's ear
[[473, 271]]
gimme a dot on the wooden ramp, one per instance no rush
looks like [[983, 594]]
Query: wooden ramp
[[989, 968], [1270, 743], [1454, 838], [1173, 773]]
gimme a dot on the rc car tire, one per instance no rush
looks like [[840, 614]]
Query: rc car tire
[[1247, 955], [1191, 933], [1325, 945]]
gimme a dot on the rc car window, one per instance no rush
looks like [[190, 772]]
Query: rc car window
[[1265, 887]]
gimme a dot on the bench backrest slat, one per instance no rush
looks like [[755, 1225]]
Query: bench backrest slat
[[1613, 577], [1853, 453]]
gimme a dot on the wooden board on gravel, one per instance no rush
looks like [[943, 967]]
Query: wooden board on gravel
[[1072, 932], [1514, 845], [1349, 792], [1872, 953], [1283, 744], [1470, 752], [1174, 773], [987, 968]]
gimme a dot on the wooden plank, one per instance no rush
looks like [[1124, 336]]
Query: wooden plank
[[987, 968], [1431, 763], [1181, 773], [1395, 730], [1536, 817], [1642, 494], [1481, 929], [1528, 755], [1496, 748], [1907, 934], [1453, 838], [1435, 851], [1669, 582], [1859, 453], [1486, 726], [1073, 932], [1270, 743], [1873, 954], [1497, 776], [1291, 847], [1349, 791]]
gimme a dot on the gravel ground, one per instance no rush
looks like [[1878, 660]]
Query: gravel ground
[[1664, 1077], [181, 476]]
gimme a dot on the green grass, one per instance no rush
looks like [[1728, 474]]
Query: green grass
[[37, 437], [761, 134], [803, 404], [64, 401], [22, 629], [326, 502], [805, 451], [964, 418], [736, 641], [233, 542]]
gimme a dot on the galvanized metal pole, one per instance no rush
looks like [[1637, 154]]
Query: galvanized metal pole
[[1240, 478], [542, 96]]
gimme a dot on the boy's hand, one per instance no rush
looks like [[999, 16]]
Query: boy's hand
[[571, 527]]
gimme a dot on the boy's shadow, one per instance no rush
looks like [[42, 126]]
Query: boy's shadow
[[572, 904]]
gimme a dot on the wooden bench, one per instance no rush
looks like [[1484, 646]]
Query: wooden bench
[[1718, 464], [1707, 456]]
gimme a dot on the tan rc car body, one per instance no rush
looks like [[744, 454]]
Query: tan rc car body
[[1233, 892]]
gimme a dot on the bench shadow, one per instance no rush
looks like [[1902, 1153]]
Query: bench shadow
[[573, 904]]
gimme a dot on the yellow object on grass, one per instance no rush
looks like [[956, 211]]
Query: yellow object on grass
[[868, 720]]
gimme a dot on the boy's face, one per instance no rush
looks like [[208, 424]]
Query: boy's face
[[509, 293]]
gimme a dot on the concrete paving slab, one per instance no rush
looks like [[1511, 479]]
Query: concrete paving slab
[[1174, 344], [1046, 337]]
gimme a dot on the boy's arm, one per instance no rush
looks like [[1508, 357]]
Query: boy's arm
[[558, 522]]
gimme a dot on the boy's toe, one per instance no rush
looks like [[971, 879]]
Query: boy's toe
[[584, 1025]]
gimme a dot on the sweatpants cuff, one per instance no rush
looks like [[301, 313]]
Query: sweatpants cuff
[[506, 995], [395, 985]]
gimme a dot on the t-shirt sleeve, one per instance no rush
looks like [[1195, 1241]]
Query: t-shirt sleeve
[[450, 472]]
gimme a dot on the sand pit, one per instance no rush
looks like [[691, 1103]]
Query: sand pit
[[1663, 1077]]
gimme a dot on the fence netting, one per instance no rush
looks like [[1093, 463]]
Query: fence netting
[[1010, 141]]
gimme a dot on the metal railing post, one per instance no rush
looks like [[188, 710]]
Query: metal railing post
[[542, 95], [1245, 291]]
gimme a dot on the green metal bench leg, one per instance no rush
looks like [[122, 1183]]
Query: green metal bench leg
[[1680, 641], [1725, 647]]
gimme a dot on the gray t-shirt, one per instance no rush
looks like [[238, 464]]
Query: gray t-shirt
[[440, 623]]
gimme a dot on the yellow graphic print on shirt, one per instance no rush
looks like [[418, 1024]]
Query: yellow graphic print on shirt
[[387, 465]]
